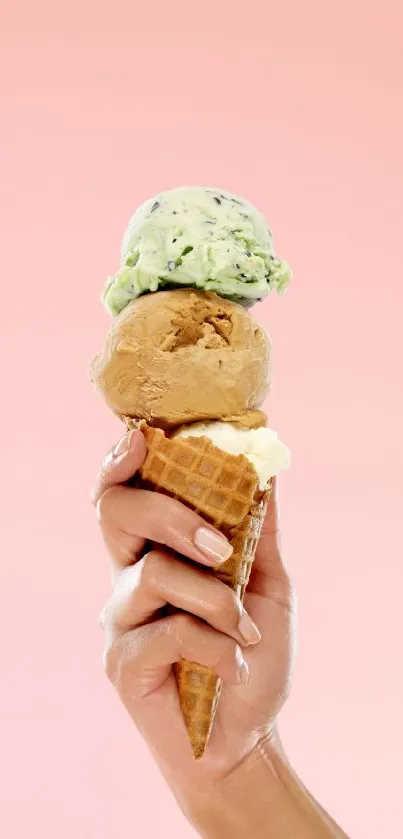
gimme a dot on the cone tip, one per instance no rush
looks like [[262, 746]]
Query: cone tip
[[198, 750]]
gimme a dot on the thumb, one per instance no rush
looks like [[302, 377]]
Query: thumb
[[269, 561], [120, 464]]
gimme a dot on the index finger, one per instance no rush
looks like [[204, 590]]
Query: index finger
[[120, 464]]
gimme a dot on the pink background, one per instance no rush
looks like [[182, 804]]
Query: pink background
[[298, 106]]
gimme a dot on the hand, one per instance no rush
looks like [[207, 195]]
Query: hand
[[144, 531]]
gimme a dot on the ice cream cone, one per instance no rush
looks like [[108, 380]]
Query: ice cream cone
[[224, 490]]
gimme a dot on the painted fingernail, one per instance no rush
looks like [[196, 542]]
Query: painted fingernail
[[244, 674], [122, 446], [248, 629], [243, 670], [215, 546]]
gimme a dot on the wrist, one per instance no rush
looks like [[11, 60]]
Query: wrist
[[240, 803], [261, 797]]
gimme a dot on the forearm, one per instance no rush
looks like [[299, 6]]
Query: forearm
[[262, 798]]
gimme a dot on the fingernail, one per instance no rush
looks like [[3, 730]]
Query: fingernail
[[248, 629], [122, 446], [212, 544], [243, 671], [244, 674]]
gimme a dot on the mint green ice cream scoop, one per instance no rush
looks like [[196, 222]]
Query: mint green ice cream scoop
[[197, 238]]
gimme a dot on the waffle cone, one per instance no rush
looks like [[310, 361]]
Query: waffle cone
[[224, 490]]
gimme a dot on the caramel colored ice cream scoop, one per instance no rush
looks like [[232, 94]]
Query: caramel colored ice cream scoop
[[180, 356]]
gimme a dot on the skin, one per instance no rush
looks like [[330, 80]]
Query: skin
[[244, 780]]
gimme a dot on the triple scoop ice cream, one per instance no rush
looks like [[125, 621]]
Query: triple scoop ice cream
[[186, 364], [206, 239]]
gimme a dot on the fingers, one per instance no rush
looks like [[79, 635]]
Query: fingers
[[120, 464], [131, 517], [140, 661], [160, 579], [128, 517]]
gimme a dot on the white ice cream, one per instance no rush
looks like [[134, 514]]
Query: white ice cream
[[260, 446]]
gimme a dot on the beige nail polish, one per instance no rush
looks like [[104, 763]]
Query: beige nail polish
[[248, 629], [242, 668], [212, 544], [123, 446], [243, 674]]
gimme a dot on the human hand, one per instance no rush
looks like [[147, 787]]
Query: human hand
[[144, 531]]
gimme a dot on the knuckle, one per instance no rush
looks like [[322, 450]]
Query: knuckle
[[179, 520], [104, 505], [106, 614], [226, 606], [187, 638], [150, 569], [120, 666], [181, 625], [110, 662], [176, 511], [227, 652]]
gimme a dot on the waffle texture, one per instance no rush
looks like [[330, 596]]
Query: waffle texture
[[224, 490]]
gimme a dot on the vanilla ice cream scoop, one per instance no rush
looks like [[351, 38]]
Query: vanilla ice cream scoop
[[200, 238], [260, 446]]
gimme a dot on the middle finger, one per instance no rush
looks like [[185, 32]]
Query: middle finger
[[159, 579]]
